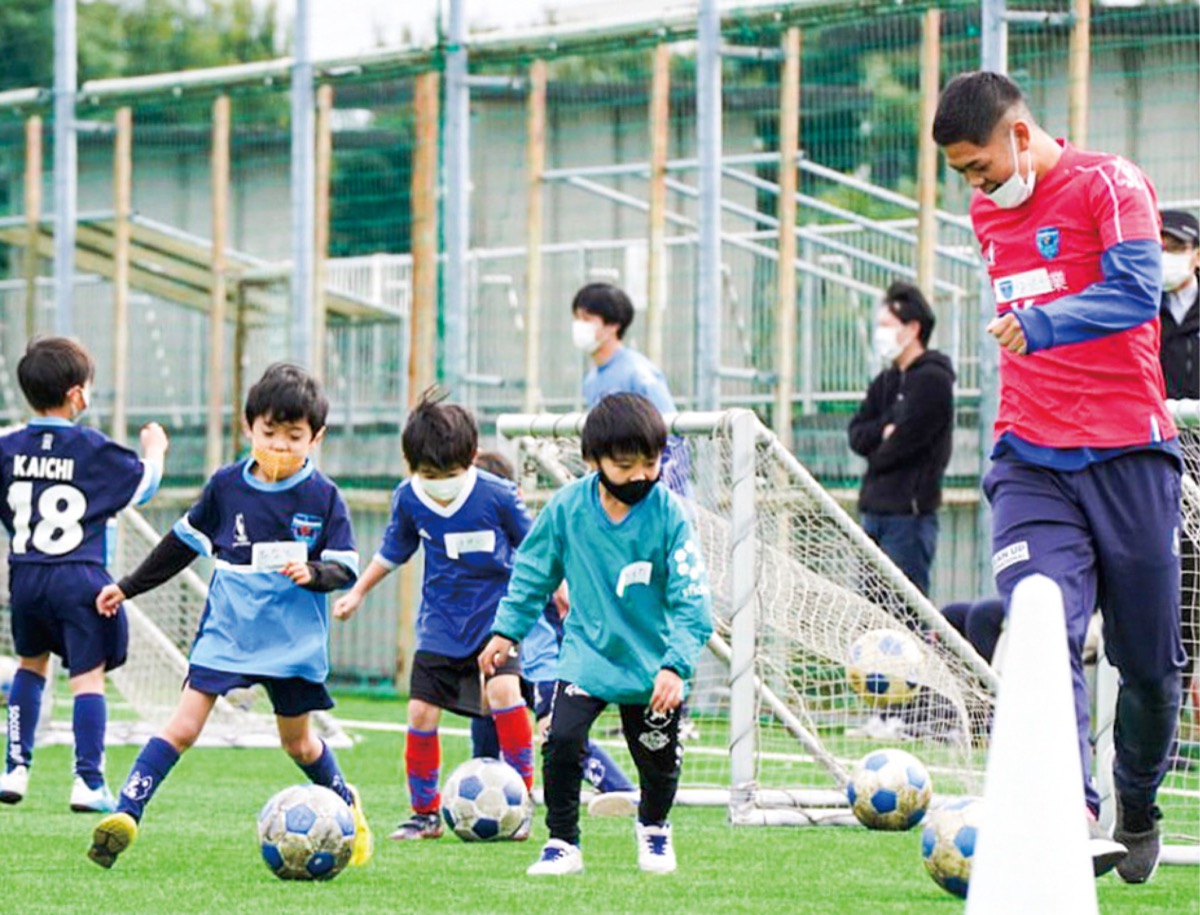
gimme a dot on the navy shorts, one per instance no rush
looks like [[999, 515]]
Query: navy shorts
[[54, 610], [454, 684], [290, 696]]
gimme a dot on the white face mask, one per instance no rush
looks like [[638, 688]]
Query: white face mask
[[1177, 270], [446, 489], [583, 336], [887, 343], [1016, 190]]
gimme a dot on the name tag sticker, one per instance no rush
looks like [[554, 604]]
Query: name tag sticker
[[271, 557], [1025, 285], [636, 573], [470, 542]]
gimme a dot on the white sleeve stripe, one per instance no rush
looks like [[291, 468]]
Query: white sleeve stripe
[[147, 485], [384, 561], [194, 538], [347, 558]]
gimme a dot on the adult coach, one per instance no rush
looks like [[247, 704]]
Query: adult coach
[[1085, 482]]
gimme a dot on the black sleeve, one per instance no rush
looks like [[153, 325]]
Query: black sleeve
[[328, 576], [170, 557], [927, 411], [866, 426]]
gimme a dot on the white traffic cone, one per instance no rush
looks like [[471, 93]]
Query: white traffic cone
[[1032, 853]]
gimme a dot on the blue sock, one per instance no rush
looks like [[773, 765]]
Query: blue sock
[[325, 772], [149, 770], [602, 771], [24, 706], [484, 741], [91, 715]]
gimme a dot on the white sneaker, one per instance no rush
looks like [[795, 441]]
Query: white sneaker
[[14, 784], [623, 804], [655, 851], [558, 858], [91, 800]]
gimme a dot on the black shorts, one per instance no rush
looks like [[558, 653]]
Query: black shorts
[[290, 696], [54, 610], [454, 684]]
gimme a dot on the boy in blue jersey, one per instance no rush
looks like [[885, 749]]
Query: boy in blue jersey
[[470, 524], [280, 537], [62, 484], [539, 665], [640, 614]]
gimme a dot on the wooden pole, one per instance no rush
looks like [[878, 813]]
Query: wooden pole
[[122, 208], [1079, 67], [536, 164], [33, 218], [422, 368], [927, 229], [216, 316], [785, 313], [324, 166], [656, 256], [237, 374]]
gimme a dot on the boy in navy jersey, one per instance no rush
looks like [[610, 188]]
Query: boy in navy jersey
[[640, 615], [61, 484], [470, 523], [280, 536]]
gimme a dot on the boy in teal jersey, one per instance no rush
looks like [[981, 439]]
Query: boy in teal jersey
[[640, 614]]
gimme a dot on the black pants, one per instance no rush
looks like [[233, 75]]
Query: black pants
[[653, 741]]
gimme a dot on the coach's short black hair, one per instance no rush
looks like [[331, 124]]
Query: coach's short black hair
[[438, 434], [496, 464], [971, 106], [607, 302], [287, 393], [621, 426], [50, 367], [908, 303]]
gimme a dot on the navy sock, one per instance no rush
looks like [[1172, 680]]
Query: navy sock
[[603, 772], [149, 769], [325, 772], [24, 706], [90, 717]]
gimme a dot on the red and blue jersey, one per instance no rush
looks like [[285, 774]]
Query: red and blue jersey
[[1080, 264], [62, 483]]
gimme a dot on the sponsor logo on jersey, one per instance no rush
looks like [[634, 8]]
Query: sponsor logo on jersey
[[239, 530], [47, 441], [307, 528], [1048, 242]]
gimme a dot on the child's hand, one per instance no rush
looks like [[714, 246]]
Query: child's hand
[[668, 691], [154, 438], [299, 572], [344, 606], [494, 654], [108, 601], [562, 601]]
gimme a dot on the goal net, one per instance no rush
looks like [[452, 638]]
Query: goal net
[[775, 722]]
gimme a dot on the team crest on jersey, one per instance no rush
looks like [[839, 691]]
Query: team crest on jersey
[[239, 530], [1048, 242], [306, 528]]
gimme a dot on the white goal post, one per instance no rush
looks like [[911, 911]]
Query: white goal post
[[795, 581]]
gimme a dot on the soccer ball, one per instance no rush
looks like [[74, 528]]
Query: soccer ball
[[948, 844], [8, 670], [889, 789], [884, 667], [306, 832], [485, 799]]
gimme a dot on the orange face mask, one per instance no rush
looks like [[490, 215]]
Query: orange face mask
[[277, 465]]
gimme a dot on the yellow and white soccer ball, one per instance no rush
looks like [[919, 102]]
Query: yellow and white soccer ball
[[948, 842], [884, 667], [889, 789]]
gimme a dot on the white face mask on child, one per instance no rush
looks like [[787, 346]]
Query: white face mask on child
[[445, 489], [583, 336]]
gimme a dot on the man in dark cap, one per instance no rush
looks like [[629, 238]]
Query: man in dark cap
[[1180, 312], [904, 428]]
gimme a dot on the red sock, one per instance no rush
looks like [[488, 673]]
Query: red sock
[[515, 735], [422, 759]]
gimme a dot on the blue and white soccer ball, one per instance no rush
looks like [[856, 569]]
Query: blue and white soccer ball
[[884, 667], [485, 799], [948, 844], [306, 832], [8, 670], [889, 789]]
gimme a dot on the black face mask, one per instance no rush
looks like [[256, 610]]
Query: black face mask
[[630, 493]]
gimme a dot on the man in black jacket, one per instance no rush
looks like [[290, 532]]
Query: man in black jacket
[[904, 428], [1180, 312]]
